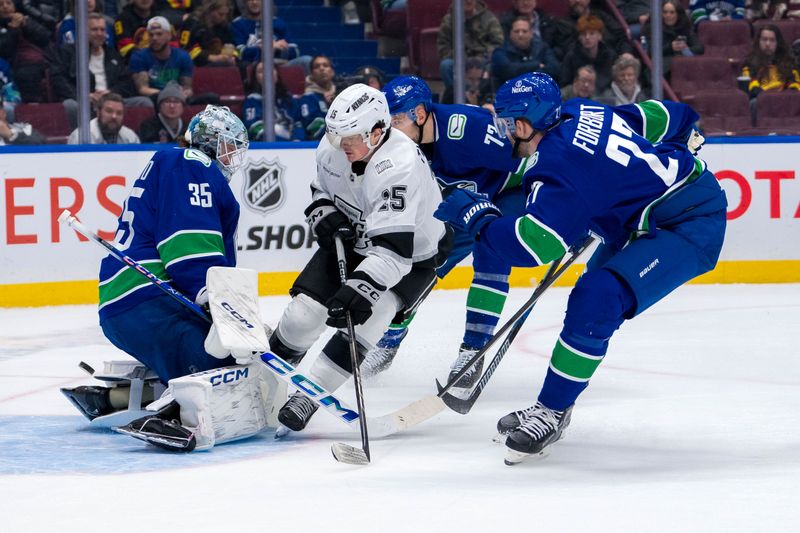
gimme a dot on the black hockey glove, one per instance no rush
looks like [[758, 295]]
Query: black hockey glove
[[326, 221], [356, 297]]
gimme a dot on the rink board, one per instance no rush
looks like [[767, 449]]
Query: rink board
[[42, 263]]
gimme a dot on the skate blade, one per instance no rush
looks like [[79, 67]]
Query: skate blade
[[514, 457], [160, 441], [282, 431], [344, 453], [499, 438]]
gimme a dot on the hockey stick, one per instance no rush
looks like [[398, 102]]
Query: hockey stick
[[463, 405], [345, 453], [433, 404], [282, 369]]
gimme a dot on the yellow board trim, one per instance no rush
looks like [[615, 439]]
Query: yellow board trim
[[278, 283]]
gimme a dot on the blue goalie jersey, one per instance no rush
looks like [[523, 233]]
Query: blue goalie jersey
[[574, 183], [179, 220], [469, 150]]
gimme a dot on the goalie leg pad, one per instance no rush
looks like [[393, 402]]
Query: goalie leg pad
[[228, 403]]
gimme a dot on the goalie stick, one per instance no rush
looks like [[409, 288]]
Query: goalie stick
[[344, 452], [382, 426], [463, 405]]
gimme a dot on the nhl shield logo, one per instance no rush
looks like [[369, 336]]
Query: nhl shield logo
[[263, 185]]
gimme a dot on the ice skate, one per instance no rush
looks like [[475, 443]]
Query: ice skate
[[468, 380], [512, 421], [381, 357], [542, 426], [296, 412], [162, 429], [91, 401]]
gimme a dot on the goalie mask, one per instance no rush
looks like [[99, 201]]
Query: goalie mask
[[357, 111], [220, 135]]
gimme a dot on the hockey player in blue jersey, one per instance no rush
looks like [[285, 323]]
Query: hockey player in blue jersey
[[179, 220], [622, 173], [464, 149]]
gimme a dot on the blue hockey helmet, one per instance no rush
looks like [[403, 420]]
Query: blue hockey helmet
[[405, 93], [534, 96]]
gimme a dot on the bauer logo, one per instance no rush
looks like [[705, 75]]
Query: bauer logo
[[264, 190]]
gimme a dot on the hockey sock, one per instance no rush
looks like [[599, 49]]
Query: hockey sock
[[485, 300], [395, 334]]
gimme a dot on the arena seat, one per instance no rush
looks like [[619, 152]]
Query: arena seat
[[556, 8], [387, 23], [697, 74], [778, 112], [49, 119], [293, 78], [723, 112], [729, 39], [223, 81], [424, 16], [134, 116]]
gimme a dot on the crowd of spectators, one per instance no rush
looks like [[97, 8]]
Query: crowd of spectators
[[142, 54]]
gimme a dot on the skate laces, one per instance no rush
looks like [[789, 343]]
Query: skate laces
[[464, 355], [540, 421], [301, 405]]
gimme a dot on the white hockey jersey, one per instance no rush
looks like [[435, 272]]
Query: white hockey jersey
[[390, 205]]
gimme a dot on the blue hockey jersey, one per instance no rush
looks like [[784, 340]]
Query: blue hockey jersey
[[179, 219], [467, 148], [601, 170]]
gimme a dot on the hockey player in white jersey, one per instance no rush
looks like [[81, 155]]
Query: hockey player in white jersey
[[373, 188]]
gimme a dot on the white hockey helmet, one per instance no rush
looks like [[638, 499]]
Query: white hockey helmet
[[357, 110], [221, 135]]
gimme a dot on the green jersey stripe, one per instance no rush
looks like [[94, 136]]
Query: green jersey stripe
[[127, 280], [190, 243], [573, 364], [484, 301], [655, 118], [540, 241]]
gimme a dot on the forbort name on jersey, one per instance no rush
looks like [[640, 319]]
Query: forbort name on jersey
[[590, 124]]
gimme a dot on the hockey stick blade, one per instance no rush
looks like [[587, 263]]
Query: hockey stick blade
[[344, 453]]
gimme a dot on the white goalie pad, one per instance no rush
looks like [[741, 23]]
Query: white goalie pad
[[233, 302], [229, 403]]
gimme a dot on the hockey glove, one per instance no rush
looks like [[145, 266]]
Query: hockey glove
[[326, 221], [466, 210], [357, 298]]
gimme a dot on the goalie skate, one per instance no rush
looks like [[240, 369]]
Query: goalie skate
[[296, 413], [159, 430], [542, 428]]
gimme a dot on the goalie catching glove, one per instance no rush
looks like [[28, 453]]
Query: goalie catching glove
[[466, 210], [356, 297], [326, 221]]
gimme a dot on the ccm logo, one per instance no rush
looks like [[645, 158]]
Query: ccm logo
[[235, 314], [368, 291], [229, 377]]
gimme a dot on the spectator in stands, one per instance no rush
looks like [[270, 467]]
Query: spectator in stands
[[372, 76], [107, 72], [167, 126], [482, 34], [679, 35], [107, 127], [625, 88], [770, 65], [23, 42], [714, 10], [635, 13], [558, 33], [591, 50], [45, 12], [16, 132], [614, 34], [320, 91], [66, 28], [584, 85], [207, 35], [772, 9], [522, 52], [130, 28], [8, 90], [247, 37], [158, 64], [287, 127]]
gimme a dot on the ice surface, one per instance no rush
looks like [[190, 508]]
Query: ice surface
[[691, 424]]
